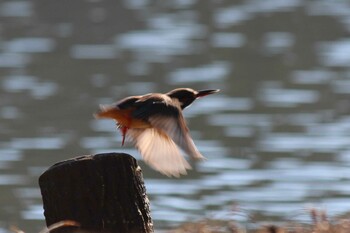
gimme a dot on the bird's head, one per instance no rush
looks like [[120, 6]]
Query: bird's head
[[187, 95]]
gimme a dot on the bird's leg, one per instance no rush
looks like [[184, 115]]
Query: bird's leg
[[123, 129]]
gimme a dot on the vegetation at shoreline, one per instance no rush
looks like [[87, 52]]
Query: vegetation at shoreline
[[320, 223]]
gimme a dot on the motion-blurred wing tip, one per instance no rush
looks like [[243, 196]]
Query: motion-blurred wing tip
[[175, 169], [199, 157], [160, 152]]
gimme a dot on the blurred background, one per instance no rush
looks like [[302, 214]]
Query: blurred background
[[277, 136]]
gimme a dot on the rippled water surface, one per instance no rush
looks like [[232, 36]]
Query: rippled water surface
[[277, 136]]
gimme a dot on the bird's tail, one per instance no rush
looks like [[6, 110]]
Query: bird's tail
[[105, 111], [110, 111]]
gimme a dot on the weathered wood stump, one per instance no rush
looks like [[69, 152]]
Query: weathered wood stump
[[103, 193]]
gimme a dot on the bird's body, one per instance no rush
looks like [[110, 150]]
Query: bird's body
[[155, 124]]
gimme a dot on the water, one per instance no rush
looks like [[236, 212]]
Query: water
[[276, 137]]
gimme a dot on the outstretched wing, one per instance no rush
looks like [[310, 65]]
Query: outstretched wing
[[159, 151], [165, 115]]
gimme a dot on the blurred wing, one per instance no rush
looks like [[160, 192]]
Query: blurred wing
[[176, 129], [166, 115], [159, 151]]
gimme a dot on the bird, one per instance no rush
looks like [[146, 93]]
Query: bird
[[155, 124]]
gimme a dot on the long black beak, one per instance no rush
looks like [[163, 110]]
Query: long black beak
[[203, 93]]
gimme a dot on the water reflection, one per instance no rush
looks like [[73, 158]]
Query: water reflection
[[13, 60], [158, 45], [16, 9], [228, 40], [278, 42], [30, 45], [12, 180], [335, 53], [41, 143], [313, 77], [94, 51], [38, 89], [276, 137], [207, 73], [274, 96]]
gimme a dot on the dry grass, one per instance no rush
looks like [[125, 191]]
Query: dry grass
[[58, 225], [319, 224]]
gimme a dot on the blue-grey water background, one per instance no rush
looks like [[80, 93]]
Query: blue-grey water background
[[276, 138]]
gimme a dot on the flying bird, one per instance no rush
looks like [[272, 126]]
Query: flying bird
[[156, 126]]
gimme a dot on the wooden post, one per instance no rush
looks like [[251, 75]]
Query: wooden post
[[102, 192]]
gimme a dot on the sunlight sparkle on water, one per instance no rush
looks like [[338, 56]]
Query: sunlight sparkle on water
[[336, 53], [208, 73], [31, 45], [94, 51], [16, 9]]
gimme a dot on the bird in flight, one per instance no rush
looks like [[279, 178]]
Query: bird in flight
[[156, 126]]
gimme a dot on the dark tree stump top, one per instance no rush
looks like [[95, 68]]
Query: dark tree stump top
[[102, 192]]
